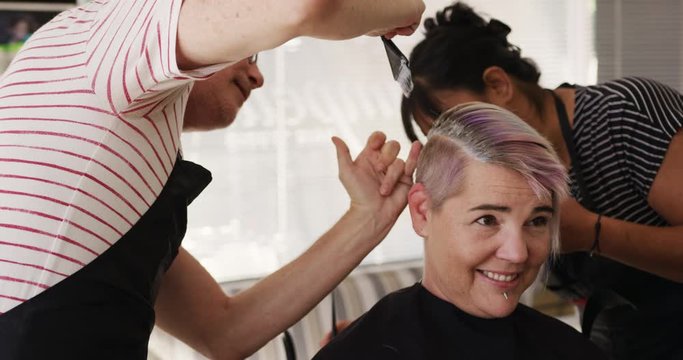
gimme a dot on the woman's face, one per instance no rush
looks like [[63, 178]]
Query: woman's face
[[489, 239]]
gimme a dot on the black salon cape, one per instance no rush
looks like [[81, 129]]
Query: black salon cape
[[106, 309], [414, 324]]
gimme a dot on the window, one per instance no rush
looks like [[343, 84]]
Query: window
[[275, 187], [640, 38], [19, 19]]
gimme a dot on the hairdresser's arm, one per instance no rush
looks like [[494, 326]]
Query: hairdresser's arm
[[219, 31], [192, 307], [658, 250]]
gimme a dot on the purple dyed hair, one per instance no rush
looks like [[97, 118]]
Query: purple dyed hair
[[489, 134]]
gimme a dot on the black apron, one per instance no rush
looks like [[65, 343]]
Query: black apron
[[106, 309]]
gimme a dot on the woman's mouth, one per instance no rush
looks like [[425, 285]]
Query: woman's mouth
[[506, 278]]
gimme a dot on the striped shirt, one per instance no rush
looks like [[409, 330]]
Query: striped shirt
[[91, 111], [622, 130]]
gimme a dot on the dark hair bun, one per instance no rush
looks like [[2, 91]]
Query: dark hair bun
[[457, 15], [498, 29], [460, 44], [461, 18]]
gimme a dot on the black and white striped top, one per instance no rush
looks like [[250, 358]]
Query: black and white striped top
[[622, 130]]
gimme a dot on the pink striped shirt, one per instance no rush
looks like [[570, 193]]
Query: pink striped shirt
[[91, 111]]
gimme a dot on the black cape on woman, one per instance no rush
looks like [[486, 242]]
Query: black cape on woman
[[414, 324]]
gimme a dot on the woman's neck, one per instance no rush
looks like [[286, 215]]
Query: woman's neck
[[549, 122], [542, 116]]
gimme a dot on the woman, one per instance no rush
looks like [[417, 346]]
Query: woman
[[486, 202], [623, 148]]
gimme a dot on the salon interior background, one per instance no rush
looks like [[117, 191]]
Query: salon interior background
[[275, 185]]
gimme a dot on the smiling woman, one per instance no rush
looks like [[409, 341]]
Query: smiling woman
[[487, 240], [486, 203]]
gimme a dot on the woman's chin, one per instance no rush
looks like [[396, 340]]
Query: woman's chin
[[498, 308], [506, 306]]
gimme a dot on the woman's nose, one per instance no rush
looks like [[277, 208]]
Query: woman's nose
[[514, 247]]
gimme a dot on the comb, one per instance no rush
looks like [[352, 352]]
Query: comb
[[399, 66]]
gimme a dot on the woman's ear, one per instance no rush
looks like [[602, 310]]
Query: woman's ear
[[419, 205], [499, 86]]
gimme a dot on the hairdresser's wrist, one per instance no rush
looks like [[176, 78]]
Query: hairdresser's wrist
[[597, 232], [614, 235], [374, 222]]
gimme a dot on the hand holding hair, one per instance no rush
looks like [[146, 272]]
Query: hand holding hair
[[377, 181]]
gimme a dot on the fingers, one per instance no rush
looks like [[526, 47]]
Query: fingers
[[394, 174], [411, 162], [343, 154], [400, 171], [380, 152], [388, 154], [406, 30], [388, 151], [382, 156], [390, 33], [376, 140]]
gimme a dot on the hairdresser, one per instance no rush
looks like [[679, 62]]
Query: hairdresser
[[94, 190], [622, 145]]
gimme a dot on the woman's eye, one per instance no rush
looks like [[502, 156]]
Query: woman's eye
[[487, 220], [539, 221]]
